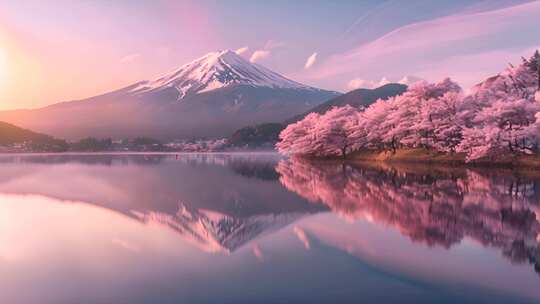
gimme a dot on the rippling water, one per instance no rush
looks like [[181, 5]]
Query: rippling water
[[256, 228]]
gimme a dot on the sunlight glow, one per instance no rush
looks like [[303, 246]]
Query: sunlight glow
[[3, 66]]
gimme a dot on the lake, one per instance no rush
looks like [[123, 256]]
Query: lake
[[259, 228]]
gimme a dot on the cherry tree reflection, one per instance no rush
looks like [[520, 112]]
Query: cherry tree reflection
[[430, 205]]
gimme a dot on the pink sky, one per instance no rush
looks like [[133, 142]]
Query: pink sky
[[78, 49]]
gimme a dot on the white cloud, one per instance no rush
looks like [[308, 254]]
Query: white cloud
[[408, 80], [266, 51], [242, 50], [258, 55], [311, 60], [129, 58], [357, 83], [382, 82]]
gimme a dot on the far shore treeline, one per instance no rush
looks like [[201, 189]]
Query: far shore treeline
[[497, 121]]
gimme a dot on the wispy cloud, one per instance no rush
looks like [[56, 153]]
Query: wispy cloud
[[426, 48], [258, 55], [311, 61], [242, 50], [130, 58], [125, 245], [272, 44]]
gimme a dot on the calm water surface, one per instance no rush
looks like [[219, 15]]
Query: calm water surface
[[256, 228]]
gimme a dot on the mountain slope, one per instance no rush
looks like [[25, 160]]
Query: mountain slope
[[217, 70], [209, 97], [10, 134], [356, 98]]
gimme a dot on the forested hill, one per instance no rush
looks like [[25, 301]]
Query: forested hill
[[256, 136], [259, 135], [11, 134], [356, 98]]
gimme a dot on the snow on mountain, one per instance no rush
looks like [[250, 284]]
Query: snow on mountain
[[215, 232], [217, 70]]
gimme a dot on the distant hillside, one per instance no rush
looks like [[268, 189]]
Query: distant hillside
[[11, 135], [356, 98], [256, 136]]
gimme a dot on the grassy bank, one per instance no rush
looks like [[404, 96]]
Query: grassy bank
[[426, 156]]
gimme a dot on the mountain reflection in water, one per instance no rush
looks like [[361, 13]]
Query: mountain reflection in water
[[216, 202], [261, 228]]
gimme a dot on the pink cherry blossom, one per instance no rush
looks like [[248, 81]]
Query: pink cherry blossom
[[498, 120]]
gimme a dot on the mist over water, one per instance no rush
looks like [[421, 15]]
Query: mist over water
[[258, 228]]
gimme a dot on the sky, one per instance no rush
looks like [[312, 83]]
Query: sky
[[60, 50]]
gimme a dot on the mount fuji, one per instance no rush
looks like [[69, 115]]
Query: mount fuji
[[209, 97], [214, 71]]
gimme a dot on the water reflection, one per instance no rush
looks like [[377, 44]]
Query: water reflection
[[217, 232], [436, 206], [245, 228], [217, 202]]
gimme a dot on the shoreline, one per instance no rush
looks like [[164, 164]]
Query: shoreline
[[131, 153], [432, 158]]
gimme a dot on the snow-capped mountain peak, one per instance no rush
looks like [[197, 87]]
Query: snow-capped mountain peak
[[217, 70]]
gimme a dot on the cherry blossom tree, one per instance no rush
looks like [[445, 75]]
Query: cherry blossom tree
[[298, 138], [498, 120], [372, 126], [418, 118], [533, 64], [515, 82], [441, 123], [504, 110], [335, 129], [329, 134]]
